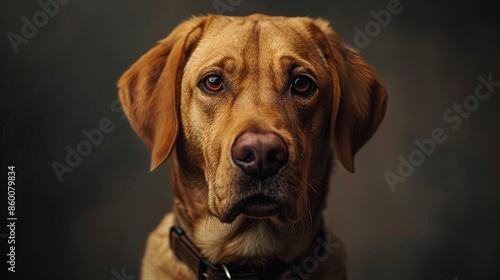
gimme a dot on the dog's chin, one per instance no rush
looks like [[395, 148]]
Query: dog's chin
[[257, 207]]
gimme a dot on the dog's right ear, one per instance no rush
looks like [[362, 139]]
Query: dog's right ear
[[150, 90]]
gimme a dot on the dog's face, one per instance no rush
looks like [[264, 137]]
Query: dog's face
[[254, 104], [257, 108]]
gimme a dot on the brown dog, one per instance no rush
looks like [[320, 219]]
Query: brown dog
[[252, 111]]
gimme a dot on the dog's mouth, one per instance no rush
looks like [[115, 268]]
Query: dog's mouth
[[255, 206]]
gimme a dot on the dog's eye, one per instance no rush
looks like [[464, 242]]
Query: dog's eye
[[302, 85], [213, 83]]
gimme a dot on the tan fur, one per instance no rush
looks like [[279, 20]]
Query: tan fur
[[256, 55]]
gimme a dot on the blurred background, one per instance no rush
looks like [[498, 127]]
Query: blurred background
[[90, 220]]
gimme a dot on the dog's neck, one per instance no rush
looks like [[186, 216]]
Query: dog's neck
[[187, 252]]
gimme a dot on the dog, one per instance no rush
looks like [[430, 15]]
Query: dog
[[253, 113]]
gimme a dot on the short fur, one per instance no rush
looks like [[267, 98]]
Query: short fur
[[256, 55]]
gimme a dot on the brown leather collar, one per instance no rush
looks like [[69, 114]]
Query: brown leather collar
[[187, 252]]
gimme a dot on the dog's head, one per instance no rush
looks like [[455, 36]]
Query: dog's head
[[256, 108]]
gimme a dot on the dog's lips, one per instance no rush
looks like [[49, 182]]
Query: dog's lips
[[255, 206], [260, 209]]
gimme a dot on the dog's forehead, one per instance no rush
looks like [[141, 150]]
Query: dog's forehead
[[237, 29], [257, 38]]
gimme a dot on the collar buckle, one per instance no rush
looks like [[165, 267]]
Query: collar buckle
[[226, 271], [203, 267]]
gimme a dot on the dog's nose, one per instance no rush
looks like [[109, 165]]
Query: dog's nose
[[260, 154]]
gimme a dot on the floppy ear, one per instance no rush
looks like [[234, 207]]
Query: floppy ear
[[150, 90], [359, 98]]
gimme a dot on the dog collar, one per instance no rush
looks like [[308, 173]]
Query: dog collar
[[187, 252]]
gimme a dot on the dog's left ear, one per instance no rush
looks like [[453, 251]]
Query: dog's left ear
[[359, 97], [150, 90]]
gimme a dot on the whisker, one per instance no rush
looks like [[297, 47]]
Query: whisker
[[311, 186]]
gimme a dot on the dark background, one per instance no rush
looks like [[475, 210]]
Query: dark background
[[442, 222]]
